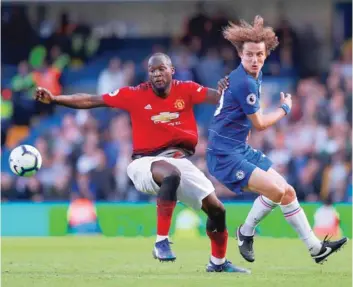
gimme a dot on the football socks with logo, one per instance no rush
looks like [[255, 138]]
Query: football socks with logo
[[218, 234], [261, 208], [296, 217], [166, 202]]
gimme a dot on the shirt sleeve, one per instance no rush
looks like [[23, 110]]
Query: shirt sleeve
[[120, 98], [246, 95], [196, 91]]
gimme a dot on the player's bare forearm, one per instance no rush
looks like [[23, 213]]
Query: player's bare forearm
[[80, 101], [212, 96], [273, 117], [262, 122]]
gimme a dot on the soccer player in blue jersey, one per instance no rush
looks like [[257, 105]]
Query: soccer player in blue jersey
[[237, 165]]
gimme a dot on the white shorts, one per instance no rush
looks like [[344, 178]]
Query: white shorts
[[194, 185]]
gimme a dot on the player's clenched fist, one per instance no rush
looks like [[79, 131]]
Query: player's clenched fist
[[43, 95], [286, 99]]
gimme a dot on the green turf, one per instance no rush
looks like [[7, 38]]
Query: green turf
[[103, 262]]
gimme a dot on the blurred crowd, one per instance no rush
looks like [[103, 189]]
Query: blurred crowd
[[42, 51], [87, 154]]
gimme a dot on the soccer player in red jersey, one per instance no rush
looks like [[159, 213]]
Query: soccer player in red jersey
[[164, 135]]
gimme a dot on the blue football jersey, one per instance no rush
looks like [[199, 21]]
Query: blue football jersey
[[230, 126]]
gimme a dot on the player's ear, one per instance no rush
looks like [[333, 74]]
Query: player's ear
[[173, 70]]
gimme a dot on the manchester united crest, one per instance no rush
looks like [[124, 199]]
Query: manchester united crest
[[179, 104]]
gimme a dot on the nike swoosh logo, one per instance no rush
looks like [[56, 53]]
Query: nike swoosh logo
[[327, 251]]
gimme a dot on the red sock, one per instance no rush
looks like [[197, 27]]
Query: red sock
[[219, 242], [165, 210]]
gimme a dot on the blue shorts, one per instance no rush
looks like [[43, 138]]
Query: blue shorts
[[234, 169]]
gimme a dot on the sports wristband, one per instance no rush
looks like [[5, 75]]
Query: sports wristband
[[286, 108]]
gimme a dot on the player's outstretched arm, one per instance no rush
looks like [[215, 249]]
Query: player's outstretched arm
[[262, 122], [213, 96], [76, 101]]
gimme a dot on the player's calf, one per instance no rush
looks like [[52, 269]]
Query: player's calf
[[245, 233], [296, 217], [168, 178], [218, 234], [216, 228]]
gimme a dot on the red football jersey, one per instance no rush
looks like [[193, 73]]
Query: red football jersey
[[159, 123]]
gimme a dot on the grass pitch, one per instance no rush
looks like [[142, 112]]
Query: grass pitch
[[123, 262]]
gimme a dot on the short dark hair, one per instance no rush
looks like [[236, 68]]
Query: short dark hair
[[165, 56]]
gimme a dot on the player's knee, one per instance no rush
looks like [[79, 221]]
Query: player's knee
[[212, 205], [161, 170], [169, 187], [174, 174], [289, 196], [168, 179], [277, 193]]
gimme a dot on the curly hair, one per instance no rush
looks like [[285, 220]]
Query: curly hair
[[238, 34]]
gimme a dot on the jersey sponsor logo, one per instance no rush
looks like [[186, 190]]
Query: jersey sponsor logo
[[164, 117], [251, 99], [179, 104], [148, 107], [115, 93], [240, 174]]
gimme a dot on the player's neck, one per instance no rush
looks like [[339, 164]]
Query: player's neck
[[254, 75], [162, 94]]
